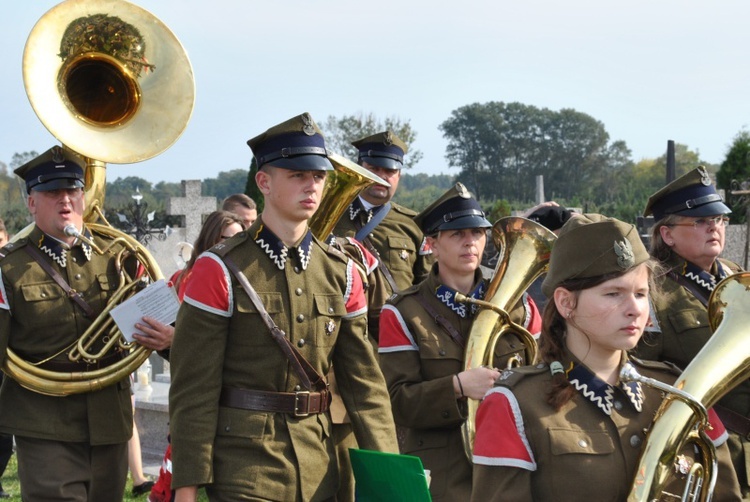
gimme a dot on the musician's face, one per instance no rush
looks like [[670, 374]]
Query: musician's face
[[604, 320], [379, 194], [53, 210], [458, 251]]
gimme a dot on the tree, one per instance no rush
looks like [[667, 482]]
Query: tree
[[251, 188], [736, 165], [340, 132], [501, 148]]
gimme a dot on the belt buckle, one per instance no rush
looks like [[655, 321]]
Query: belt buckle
[[298, 413]]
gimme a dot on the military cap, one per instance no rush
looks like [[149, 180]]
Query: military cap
[[297, 144], [383, 149], [551, 217], [455, 209], [692, 194], [55, 169], [592, 245]]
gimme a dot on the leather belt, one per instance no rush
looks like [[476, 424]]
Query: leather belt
[[299, 404], [80, 366], [734, 421]]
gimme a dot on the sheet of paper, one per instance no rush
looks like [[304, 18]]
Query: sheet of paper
[[159, 300]]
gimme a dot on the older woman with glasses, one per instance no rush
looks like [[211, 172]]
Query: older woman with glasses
[[688, 238]]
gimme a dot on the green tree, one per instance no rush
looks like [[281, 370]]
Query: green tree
[[340, 132], [734, 176], [251, 188]]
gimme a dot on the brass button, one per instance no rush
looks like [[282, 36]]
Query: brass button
[[296, 270], [298, 291], [301, 318], [297, 387], [43, 295], [301, 343], [75, 260], [583, 443], [330, 310], [78, 276]]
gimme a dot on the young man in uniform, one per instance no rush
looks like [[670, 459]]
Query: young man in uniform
[[248, 405], [243, 206], [72, 447]]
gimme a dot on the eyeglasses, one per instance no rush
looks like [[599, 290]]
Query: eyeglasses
[[703, 223]]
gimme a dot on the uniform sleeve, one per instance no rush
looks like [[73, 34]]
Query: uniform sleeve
[[424, 262], [359, 378], [503, 460], [196, 369], [416, 402]]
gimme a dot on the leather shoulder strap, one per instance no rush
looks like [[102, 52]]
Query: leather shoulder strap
[[442, 321], [301, 366]]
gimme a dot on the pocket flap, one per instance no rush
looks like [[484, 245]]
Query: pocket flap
[[398, 242], [591, 442], [271, 302], [330, 305], [41, 292]]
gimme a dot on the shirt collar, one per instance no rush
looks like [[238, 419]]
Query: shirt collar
[[447, 296], [361, 205], [706, 281], [599, 392], [279, 253], [58, 250]]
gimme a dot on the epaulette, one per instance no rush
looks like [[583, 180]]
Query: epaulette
[[403, 210], [397, 297], [13, 246], [335, 251], [510, 377], [224, 247], [656, 365]]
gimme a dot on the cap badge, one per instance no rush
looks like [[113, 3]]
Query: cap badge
[[57, 155], [462, 191], [705, 178], [308, 125], [624, 252], [388, 140]]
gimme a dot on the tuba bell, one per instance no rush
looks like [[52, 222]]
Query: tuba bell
[[524, 248], [342, 185], [112, 83], [681, 420]]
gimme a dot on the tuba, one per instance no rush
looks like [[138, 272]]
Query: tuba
[[342, 185], [722, 364], [113, 84], [525, 248]]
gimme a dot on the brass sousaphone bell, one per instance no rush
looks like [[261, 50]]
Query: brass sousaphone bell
[[112, 83]]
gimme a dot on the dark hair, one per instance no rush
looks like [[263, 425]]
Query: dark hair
[[554, 329], [209, 235]]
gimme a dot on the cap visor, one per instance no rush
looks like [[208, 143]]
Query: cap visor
[[465, 222], [383, 162], [303, 163], [58, 184], [710, 209]]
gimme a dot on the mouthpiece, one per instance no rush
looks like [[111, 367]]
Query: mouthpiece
[[71, 231]]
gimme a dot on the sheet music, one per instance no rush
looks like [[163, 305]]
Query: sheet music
[[159, 300]]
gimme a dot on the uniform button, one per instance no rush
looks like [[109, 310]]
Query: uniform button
[[298, 291], [540, 366], [698, 323], [301, 343], [226, 429], [43, 295], [330, 310], [78, 276], [635, 441], [300, 318], [297, 388], [75, 260], [421, 442], [442, 352], [296, 270], [445, 414], [618, 405], [583, 443]]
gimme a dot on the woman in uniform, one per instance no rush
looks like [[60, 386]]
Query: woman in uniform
[[422, 337], [688, 238], [568, 429]]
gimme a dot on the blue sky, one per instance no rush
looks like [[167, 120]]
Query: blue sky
[[650, 71]]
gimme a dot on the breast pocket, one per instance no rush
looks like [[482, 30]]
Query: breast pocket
[[330, 311], [692, 329], [247, 316], [45, 305], [584, 453], [439, 356], [401, 254]]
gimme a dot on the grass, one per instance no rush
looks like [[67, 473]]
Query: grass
[[12, 486]]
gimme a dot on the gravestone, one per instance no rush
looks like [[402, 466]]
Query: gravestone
[[192, 206]]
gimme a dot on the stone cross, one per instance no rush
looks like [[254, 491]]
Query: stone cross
[[193, 206]]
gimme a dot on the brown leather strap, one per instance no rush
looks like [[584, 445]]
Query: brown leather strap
[[72, 293], [734, 421], [442, 321], [386, 273], [310, 378], [299, 404], [690, 286]]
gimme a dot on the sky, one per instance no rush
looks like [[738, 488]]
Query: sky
[[650, 71]]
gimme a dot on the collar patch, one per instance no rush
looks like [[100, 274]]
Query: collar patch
[[600, 392], [279, 253]]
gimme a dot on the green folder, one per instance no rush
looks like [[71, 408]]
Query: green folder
[[388, 477]]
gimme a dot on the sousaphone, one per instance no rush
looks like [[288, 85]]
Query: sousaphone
[[112, 83]]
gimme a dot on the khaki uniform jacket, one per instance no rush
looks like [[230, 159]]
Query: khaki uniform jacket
[[221, 341], [419, 359], [398, 241], [681, 331], [37, 320], [525, 451]]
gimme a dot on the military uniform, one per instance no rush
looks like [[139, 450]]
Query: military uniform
[[419, 359], [588, 450], [37, 319]]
